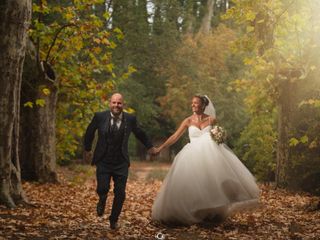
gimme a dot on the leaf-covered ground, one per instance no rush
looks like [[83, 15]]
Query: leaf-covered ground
[[68, 211]]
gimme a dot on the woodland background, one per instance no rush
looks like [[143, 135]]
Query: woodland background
[[257, 60]]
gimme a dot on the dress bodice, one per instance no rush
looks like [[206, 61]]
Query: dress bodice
[[195, 132]]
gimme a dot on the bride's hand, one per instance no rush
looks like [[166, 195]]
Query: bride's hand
[[153, 151], [156, 151]]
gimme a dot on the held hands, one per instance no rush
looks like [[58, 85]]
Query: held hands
[[87, 156], [154, 151]]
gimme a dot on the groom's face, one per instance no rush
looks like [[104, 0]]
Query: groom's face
[[116, 104]]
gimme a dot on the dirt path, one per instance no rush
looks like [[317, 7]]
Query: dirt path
[[68, 211], [143, 169]]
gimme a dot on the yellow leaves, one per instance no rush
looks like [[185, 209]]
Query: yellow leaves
[[57, 9], [97, 40], [102, 40], [94, 61], [110, 67], [249, 29], [105, 41], [28, 104], [294, 141], [312, 68], [131, 69], [112, 45], [68, 16], [40, 102], [76, 43], [248, 61], [106, 15], [129, 110], [109, 85], [312, 102], [97, 50], [314, 144], [304, 139], [35, 8], [261, 21], [41, 9], [119, 33], [82, 69], [46, 91], [250, 15]]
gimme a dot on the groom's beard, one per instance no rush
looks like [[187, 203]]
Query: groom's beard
[[116, 111]]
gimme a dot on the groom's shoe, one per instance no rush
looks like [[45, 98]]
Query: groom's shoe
[[114, 225], [101, 206]]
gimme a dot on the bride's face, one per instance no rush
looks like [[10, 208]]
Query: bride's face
[[196, 105]]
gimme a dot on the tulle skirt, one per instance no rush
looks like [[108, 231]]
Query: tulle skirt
[[206, 180]]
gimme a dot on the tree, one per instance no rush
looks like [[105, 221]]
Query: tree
[[15, 17], [72, 39], [38, 128], [273, 39]]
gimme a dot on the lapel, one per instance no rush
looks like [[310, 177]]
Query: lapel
[[106, 123], [124, 124]]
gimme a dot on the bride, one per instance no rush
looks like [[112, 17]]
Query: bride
[[206, 179]]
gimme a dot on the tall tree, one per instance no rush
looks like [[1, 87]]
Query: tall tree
[[274, 34], [38, 123], [72, 39], [15, 18], [206, 21]]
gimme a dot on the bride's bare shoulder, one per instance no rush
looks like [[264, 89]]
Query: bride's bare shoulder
[[187, 121]]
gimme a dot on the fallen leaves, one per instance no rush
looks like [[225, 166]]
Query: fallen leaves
[[67, 211]]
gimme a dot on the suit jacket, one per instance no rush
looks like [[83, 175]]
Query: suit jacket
[[101, 122]]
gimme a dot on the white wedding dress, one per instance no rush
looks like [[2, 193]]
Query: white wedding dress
[[206, 180]]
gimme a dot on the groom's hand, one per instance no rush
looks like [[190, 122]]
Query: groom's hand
[[87, 155], [152, 151]]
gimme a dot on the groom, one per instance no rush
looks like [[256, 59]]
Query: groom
[[111, 153]]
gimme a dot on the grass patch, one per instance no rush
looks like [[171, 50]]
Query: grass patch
[[157, 174], [80, 173], [133, 176]]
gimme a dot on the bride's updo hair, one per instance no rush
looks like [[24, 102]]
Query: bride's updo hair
[[203, 99]]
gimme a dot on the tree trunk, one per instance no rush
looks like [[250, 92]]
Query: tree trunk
[[15, 18], [37, 141], [141, 151], [206, 22], [286, 89]]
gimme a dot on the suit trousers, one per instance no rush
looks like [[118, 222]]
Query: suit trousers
[[104, 176]]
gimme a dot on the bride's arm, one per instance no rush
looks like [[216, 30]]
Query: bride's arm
[[174, 137]]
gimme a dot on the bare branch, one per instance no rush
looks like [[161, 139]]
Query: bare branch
[[56, 37]]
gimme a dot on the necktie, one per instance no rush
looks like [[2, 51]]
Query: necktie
[[114, 126]]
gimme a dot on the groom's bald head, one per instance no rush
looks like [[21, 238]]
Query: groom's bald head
[[116, 104]]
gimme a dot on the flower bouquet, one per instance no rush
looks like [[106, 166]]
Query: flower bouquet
[[218, 134]]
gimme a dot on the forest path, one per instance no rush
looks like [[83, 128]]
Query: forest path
[[68, 211]]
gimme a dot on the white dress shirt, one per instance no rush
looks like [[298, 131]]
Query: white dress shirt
[[118, 119]]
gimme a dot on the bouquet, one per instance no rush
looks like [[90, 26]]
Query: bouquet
[[218, 134]]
